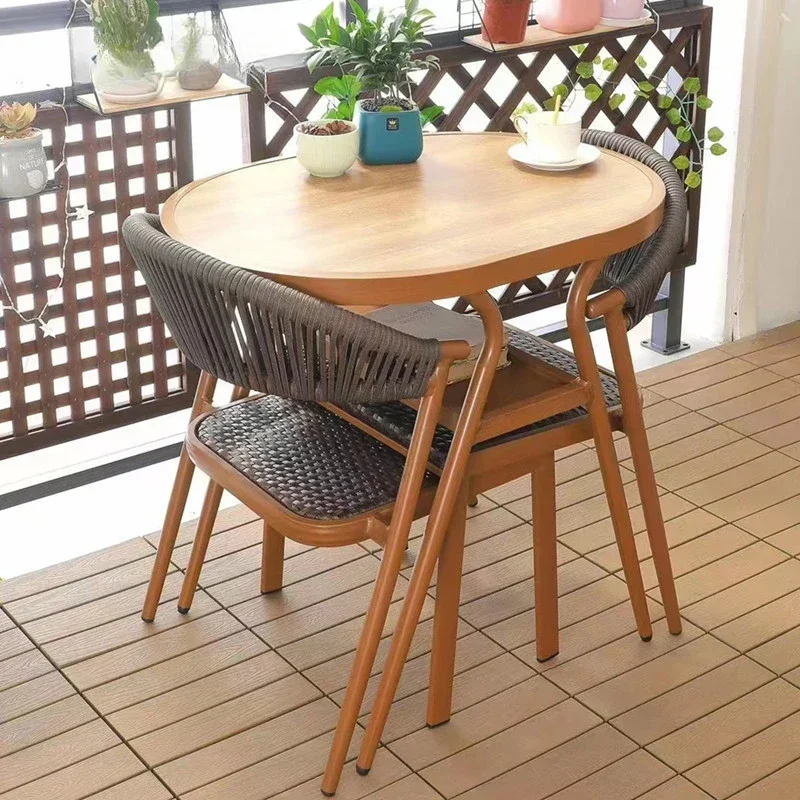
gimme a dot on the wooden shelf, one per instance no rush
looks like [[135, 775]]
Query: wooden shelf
[[50, 187], [537, 36], [171, 95]]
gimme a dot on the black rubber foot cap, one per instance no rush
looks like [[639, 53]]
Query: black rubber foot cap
[[438, 724], [327, 794], [183, 610], [549, 658], [647, 638], [362, 771], [147, 619]]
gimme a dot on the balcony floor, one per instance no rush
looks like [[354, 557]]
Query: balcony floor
[[238, 700]]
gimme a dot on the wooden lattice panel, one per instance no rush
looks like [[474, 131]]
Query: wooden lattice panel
[[106, 354]]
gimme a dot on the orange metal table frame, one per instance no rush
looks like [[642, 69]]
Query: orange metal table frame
[[461, 221]]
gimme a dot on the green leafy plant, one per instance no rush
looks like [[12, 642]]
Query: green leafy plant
[[678, 106], [342, 93], [380, 52], [127, 30], [190, 44]]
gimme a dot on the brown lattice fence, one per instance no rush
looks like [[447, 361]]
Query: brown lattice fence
[[105, 357]]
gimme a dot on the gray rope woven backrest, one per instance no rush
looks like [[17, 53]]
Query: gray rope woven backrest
[[258, 334], [639, 272]]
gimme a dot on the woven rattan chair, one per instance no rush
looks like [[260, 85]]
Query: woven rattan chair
[[308, 473], [635, 277]]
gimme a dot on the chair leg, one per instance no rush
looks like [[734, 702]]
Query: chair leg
[[272, 560], [545, 561], [436, 529], [445, 620], [175, 508], [205, 526], [391, 563], [643, 464], [604, 444]]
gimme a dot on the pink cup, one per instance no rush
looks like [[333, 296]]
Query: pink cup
[[623, 9], [568, 16]]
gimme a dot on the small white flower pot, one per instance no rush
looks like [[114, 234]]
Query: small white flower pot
[[23, 166], [327, 156]]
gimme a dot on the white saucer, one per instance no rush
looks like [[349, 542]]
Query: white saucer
[[587, 154], [626, 23]]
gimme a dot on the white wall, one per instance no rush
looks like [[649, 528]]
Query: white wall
[[764, 286]]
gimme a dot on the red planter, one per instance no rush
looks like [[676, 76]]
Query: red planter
[[505, 21]]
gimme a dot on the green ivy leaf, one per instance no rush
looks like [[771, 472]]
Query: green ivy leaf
[[641, 62], [674, 116], [593, 92], [704, 102], [643, 95], [610, 64], [615, 101], [693, 180], [718, 149], [645, 87], [585, 70], [665, 101], [715, 134], [561, 89], [681, 162], [578, 49], [597, 60], [684, 134], [692, 85]]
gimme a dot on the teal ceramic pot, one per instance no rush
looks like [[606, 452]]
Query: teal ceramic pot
[[389, 137]]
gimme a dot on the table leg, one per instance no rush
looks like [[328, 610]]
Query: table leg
[[450, 487], [604, 442]]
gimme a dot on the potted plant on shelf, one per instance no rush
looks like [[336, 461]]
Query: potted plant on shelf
[[197, 57], [125, 32], [568, 16], [505, 21], [380, 53], [23, 165]]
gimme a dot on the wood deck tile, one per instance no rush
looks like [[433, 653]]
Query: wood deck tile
[[239, 700]]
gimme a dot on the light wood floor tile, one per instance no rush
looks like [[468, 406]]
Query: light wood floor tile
[[675, 369], [756, 498], [510, 748], [716, 733], [669, 712], [34, 694], [750, 761], [83, 779], [751, 402], [558, 768], [625, 779], [743, 597], [676, 789], [657, 677], [239, 700], [781, 785], [685, 384], [727, 390], [60, 751]]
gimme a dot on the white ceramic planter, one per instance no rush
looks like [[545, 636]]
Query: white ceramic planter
[[326, 156], [623, 9], [23, 166], [117, 83]]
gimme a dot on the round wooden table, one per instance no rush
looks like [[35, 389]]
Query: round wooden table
[[464, 218], [461, 221]]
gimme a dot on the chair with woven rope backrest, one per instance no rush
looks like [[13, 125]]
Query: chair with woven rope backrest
[[310, 475], [634, 277]]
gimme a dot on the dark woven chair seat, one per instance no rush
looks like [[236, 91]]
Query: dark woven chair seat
[[396, 420], [312, 462]]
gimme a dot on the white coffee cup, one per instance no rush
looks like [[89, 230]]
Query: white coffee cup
[[550, 140]]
